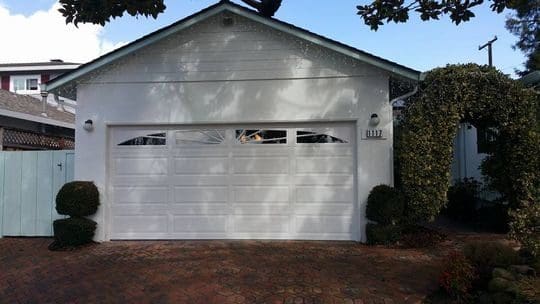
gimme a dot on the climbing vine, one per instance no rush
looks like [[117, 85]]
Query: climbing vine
[[486, 98]]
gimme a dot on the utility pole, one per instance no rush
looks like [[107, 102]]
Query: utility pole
[[490, 53]]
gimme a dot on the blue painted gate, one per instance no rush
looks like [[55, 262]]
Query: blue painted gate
[[29, 182]]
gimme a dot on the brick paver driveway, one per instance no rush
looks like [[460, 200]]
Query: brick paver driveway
[[214, 272]]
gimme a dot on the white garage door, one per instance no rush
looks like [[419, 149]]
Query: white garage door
[[233, 182]]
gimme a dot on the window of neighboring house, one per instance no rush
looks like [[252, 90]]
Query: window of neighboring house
[[25, 84], [485, 138]]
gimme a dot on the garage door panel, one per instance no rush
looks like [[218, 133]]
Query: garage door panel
[[141, 166], [200, 194], [261, 194], [199, 209], [201, 165], [139, 209], [327, 194], [260, 150], [140, 152], [318, 209], [138, 180], [201, 151], [261, 224], [272, 208], [140, 223], [323, 150], [199, 224], [199, 180], [324, 224], [344, 180], [261, 180], [140, 194], [261, 165], [328, 164]]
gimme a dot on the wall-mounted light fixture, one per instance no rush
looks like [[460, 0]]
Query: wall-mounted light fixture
[[374, 120], [88, 125]]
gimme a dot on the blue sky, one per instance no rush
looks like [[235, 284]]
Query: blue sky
[[419, 45]]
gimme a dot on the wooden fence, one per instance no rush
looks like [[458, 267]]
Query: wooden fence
[[29, 182]]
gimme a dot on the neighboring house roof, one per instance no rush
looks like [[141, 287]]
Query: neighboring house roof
[[149, 39], [29, 108], [38, 66], [531, 79], [25, 139]]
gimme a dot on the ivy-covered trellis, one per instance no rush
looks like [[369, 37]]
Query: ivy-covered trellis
[[486, 98]]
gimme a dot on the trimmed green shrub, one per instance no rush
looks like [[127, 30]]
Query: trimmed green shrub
[[382, 235], [528, 290], [487, 98], [525, 225], [78, 198], [462, 199], [73, 231], [385, 205], [457, 277], [486, 256]]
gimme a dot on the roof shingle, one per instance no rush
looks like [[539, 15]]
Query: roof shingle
[[32, 106]]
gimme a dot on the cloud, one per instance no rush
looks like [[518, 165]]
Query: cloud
[[44, 35]]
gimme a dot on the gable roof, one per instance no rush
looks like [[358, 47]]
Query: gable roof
[[390, 66], [31, 109]]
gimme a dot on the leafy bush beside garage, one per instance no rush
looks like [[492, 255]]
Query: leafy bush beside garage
[[76, 199], [385, 206]]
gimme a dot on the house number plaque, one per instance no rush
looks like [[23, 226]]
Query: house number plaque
[[374, 134]]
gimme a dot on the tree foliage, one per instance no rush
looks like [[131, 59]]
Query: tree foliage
[[525, 24], [101, 12], [381, 11], [484, 97]]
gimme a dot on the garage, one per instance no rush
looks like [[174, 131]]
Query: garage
[[234, 182], [231, 125]]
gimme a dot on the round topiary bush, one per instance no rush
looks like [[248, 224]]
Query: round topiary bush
[[77, 199], [385, 205], [73, 231], [382, 235]]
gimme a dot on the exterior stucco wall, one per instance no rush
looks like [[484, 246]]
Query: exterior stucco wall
[[245, 74]]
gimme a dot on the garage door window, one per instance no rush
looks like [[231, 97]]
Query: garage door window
[[200, 137], [244, 136], [319, 137], [157, 139]]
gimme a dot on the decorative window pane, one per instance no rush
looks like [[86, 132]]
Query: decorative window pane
[[158, 139], [200, 137], [244, 136], [311, 137], [32, 84]]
